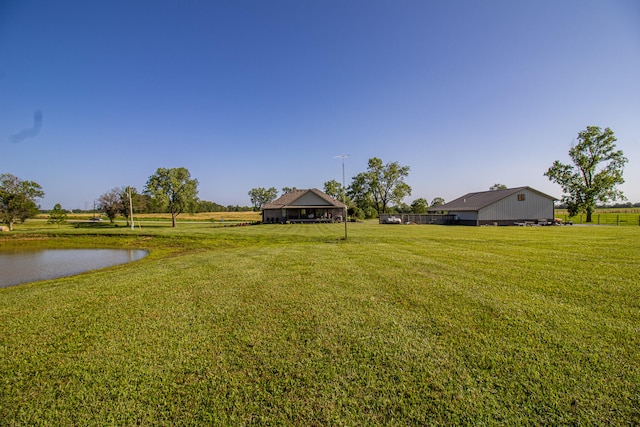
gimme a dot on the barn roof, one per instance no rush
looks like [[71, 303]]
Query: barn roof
[[482, 199], [289, 200]]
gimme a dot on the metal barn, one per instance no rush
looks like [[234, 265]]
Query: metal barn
[[512, 206]]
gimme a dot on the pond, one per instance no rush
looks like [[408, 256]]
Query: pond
[[24, 265]]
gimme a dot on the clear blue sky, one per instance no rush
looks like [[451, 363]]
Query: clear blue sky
[[260, 93]]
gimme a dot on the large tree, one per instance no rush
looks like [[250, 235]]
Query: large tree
[[174, 190], [111, 203], [420, 206], [382, 184], [57, 215], [261, 196], [360, 192], [18, 199], [335, 189], [595, 173]]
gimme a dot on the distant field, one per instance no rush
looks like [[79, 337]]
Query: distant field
[[622, 216], [203, 216], [291, 325], [207, 216]]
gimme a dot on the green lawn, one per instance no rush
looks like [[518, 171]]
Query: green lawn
[[290, 325]]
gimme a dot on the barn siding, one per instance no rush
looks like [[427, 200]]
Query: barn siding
[[533, 207], [465, 216]]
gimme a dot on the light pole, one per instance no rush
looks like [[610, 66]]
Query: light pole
[[344, 194]]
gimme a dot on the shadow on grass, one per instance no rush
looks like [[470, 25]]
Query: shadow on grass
[[97, 225]]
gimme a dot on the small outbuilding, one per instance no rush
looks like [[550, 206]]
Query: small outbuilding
[[511, 206], [298, 206]]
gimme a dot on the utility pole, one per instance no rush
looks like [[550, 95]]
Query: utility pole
[[344, 194], [130, 207]]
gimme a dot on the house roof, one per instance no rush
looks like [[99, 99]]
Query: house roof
[[482, 199], [292, 199]]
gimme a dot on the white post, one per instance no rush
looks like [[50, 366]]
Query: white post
[[344, 194], [130, 208]]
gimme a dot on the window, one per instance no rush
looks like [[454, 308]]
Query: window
[[521, 197]]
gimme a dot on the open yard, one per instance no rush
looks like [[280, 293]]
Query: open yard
[[291, 325]]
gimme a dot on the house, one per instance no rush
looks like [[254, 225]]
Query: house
[[310, 205], [512, 206]]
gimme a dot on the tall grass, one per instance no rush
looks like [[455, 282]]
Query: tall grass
[[290, 324]]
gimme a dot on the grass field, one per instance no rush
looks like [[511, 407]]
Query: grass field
[[617, 216], [291, 325], [203, 216]]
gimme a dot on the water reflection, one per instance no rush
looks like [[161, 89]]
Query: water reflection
[[22, 266]]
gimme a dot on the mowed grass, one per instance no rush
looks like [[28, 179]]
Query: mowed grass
[[291, 325]]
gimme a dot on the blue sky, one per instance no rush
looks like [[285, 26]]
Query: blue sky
[[262, 93]]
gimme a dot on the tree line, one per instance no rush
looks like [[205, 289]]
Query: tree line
[[166, 191], [591, 179]]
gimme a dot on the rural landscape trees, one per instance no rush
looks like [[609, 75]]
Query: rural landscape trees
[[590, 180], [380, 185], [130, 200], [121, 201], [285, 190], [261, 196], [437, 201], [595, 173], [334, 189], [173, 189], [57, 215], [18, 199], [111, 203], [420, 206]]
